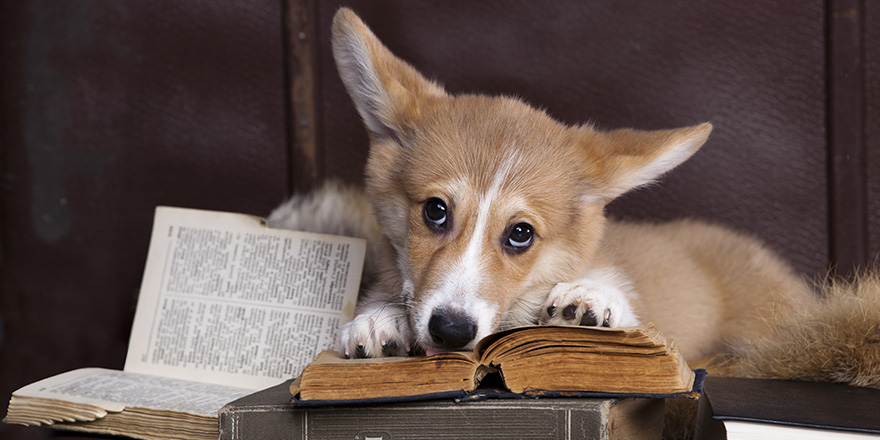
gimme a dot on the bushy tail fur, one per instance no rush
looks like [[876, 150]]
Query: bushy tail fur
[[835, 338]]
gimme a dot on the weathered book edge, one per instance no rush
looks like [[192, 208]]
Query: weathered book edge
[[484, 394]]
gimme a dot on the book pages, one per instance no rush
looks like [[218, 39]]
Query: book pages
[[225, 299], [92, 390]]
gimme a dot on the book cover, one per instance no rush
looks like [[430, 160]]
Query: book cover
[[784, 403]]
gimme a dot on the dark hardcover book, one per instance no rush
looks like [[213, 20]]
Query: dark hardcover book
[[269, 414], [766, 408]]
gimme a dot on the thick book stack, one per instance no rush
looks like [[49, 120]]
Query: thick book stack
[[500, 390], [268, 414]]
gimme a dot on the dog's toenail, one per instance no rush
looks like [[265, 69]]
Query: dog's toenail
[[551, 311], [606, 319]]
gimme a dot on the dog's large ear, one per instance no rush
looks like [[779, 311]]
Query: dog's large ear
[[386, 90], [618, 161]]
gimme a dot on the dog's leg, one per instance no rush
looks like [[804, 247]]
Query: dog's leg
[[600, 298]]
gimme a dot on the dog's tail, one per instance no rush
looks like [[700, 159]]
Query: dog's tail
[[833, 339]]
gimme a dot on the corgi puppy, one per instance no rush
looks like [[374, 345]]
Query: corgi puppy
[[483, 213]]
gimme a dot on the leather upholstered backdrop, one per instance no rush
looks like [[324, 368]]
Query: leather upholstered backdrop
[[108, 109]]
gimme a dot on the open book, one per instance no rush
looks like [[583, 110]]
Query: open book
[[227, 306], [534, 360]]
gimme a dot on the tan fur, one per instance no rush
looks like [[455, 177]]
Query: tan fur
[[497, 162], [835, 338], [707, 287]]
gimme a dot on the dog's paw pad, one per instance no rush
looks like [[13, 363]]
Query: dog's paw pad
[[589, 303], [376, 333]]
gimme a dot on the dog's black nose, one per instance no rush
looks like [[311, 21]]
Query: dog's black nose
[[450, 329]]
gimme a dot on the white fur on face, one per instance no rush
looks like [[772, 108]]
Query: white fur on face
[[462, 286]]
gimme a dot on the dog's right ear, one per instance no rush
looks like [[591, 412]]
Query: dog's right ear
[[386, 90], [620, 160]]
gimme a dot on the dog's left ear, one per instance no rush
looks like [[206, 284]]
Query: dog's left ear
[[618, 161], [386, 90]]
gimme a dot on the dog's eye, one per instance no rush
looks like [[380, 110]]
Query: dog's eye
[[521, 236], [436, 213]]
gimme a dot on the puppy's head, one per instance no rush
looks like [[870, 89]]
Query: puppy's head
[[488, 202]]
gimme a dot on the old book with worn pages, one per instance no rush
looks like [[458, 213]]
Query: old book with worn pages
[[227, 307], [533, 361]]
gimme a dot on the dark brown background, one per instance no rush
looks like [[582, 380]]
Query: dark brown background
[[108, 109]]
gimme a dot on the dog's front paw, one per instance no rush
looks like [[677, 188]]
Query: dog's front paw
[[380, 330], [588, 302]]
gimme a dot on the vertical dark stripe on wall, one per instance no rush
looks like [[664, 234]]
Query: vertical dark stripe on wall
[[300, 64], [847, 156]]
